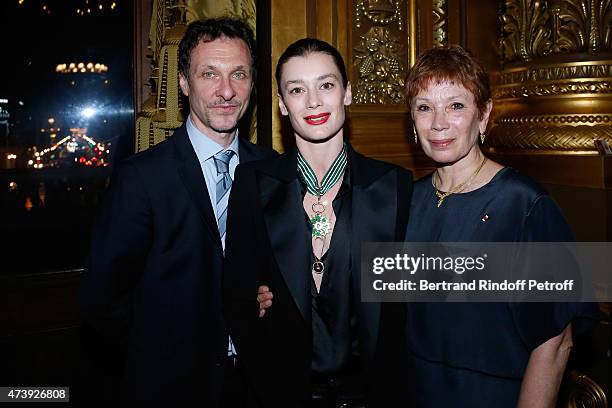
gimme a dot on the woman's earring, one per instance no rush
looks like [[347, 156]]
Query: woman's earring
[[482, 137], [416, 137]]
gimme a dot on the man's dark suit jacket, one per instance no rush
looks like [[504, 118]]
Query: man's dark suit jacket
[[267, 201], [152, 286]]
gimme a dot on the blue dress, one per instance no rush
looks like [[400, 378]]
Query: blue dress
[[475, 354]]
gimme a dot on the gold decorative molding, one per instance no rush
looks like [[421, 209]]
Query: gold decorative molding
[[413, 28], [558, 120], [576, 70], [552, 89], [585, 77], [534, 29], [543, 136], [440, 24], [592, 78], [381, 71], [379, 12], [553, 107]]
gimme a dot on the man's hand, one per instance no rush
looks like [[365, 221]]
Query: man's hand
[[264, 297]]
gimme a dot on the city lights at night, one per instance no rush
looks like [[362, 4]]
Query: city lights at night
[[78, 7], [76, 149], [87, 108], [81, 67], [66, 116]]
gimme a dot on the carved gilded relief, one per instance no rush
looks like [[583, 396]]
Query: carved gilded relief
[[440, 27], [581, 25], [535, 28], [379, 50], [380, 68], [526, 31], [554, 106]]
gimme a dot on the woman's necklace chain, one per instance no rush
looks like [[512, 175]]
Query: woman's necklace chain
[[459, 187]]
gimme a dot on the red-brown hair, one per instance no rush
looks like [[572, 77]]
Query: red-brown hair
[[451, 64]]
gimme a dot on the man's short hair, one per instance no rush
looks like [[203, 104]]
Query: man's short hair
[[210, 30]]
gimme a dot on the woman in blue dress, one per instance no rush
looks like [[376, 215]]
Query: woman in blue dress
[[477, 354]]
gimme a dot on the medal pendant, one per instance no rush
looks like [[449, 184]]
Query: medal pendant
[[318, 267], [320, 226]]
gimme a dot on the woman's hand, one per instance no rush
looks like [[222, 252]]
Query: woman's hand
[[264, 297]]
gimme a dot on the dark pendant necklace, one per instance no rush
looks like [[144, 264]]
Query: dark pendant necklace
[[318, 267]]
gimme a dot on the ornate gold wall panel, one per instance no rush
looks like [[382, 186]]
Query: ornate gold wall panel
[[162, 110], [382, 48], [555, 90], [381, 70]]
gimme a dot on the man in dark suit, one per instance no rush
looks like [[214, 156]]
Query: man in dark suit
[[309, 211], [152, 287]]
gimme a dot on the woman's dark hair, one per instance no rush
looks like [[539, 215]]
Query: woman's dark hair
[[305, 46], [210, 30], [451, 64]]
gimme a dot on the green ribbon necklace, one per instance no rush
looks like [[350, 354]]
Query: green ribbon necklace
[[330, 178], [321, 225]]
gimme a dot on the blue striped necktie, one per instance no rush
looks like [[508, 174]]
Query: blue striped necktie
[[224, 184]]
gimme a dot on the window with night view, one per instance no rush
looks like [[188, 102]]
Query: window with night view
[[66, 116]]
